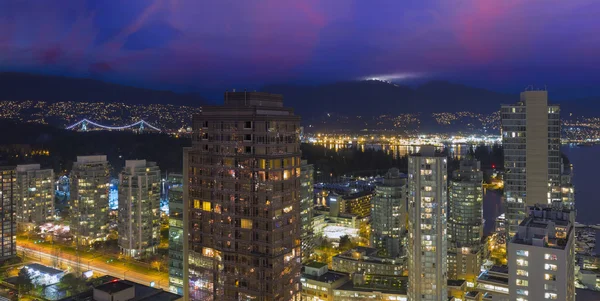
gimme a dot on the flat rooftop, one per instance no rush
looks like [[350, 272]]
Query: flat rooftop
[[500, 269], [113, 287], [44, 269], [456, 282], [315, 264], [349, 286], [328, 277]]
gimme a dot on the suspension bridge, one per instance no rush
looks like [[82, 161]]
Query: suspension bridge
[[88, 125]]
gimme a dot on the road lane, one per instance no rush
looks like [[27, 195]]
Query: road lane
[[161, 280]]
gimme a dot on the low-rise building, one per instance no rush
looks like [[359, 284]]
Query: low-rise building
[[371, 287], [124, 290], [493, 283], [318, 282], [363, 259]]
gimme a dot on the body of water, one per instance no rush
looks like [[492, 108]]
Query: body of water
[[586, 166]]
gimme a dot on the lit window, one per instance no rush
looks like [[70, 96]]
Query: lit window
[[521, 299], [550, 267], [550, 277], [523, 253], [196, 204], [246, 223], [551, 296], [550, 257], [522, 262], [522, 273], [522, 292], [206, 206], [208, 252], [521, 282], [427, 188]]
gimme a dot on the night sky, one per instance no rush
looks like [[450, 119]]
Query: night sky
[[195, 45]]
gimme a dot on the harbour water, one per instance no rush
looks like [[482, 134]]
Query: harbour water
[[586, 165]]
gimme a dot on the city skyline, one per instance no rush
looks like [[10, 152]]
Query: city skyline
[[356, 151]]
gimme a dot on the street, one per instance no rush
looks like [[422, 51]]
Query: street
[[161, 280]]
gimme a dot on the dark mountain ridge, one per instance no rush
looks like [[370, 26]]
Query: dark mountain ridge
[[50, 88], [372, 98]]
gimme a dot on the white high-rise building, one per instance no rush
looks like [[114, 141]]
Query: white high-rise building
[[427, 234], [388, 214], [89, 199], [541, 263], [35, 195], [531, 141], [139, 208]]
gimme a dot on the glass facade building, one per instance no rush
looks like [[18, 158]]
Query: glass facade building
[[388, 214], [465, 221], [8, 222]]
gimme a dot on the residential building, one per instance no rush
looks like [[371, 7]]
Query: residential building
[[427, 233], [123, 290], [177, 238], [35, 195], [89, 199], [541, 255], [363, 259], [318, 282], [244, 200], [465, 222], [8, 219], [139, 208], [531, 142], [306, 207], [493, 284], [358, 204], [388, 214], [372, 287], [567, 188]]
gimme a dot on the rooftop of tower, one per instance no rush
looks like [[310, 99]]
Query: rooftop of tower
[[253, 99]]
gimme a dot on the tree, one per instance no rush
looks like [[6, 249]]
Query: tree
[[345, 243], [72, 282], [24, 281]]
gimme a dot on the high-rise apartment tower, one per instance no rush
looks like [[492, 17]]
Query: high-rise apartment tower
[[35, 197], [427, 240], [465, 221], [388, 214], [139, 208], [306, 207], [541, 255], [89, 199], [8, 220], [532, 166], [244, 200]]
